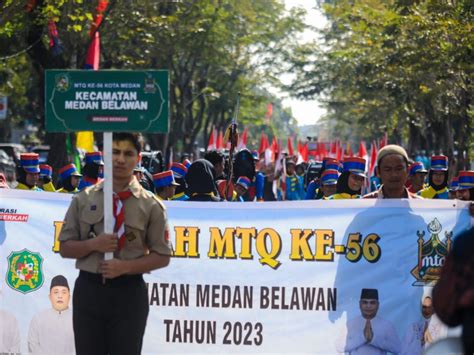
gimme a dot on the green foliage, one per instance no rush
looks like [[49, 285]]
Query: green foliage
[[213, 50], [402, 67]]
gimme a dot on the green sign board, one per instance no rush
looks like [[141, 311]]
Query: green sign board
[[106, 100]]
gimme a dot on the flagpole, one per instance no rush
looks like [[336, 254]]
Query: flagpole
[[108, 189]]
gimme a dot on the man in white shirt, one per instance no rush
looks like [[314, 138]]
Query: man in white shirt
[[51, 330], [368, 334]]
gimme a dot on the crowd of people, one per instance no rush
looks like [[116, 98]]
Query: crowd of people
[[395, 176]]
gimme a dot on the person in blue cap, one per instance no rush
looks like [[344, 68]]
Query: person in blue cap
[[313, 191], [453, 186], [328, 179], [241, 187], [465, 188], [93, 170], [27, 172], [70, 179], [45, 178], [437, 179], [179, 170], [349, 185], [416, 177], [165, 185]]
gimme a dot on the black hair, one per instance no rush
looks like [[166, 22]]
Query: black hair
[[135, 138], [214, 157], [91, 170]]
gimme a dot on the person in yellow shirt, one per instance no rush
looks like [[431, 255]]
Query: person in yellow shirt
[[437, 179], [28, 172], [70, 179], [45, 178], [349, 184]]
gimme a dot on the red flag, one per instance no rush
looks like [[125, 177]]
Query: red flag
[[373, 159], [93, 54], [211, 145], [275, 147], [289, 144], [220, 140], [304, 152], [243, 139], [339, 151], [263, 143], [383, 141], [99, 11], [362, 150], [269, 112]]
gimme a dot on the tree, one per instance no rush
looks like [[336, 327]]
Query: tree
[[212, 49], [402, 67]]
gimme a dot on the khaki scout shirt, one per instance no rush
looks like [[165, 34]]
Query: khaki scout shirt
[[146, 226]]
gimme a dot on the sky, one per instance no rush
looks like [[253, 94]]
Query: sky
[[305, 112]]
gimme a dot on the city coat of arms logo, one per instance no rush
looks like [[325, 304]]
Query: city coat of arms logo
[[431, 255], [63, 82], [25, 272]]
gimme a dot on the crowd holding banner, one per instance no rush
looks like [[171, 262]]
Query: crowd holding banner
[[254, 277]]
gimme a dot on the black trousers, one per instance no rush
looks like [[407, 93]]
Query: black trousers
[[110, 317]]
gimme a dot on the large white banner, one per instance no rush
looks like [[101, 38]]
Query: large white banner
[[282, 277]]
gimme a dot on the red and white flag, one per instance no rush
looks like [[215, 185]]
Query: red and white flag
[[243, 140], [211, 144]]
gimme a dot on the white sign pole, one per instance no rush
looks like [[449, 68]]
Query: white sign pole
[[108, 189]]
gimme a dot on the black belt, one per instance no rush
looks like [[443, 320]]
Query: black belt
[[120, 280]]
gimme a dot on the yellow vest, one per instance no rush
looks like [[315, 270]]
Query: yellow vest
[[22, 186], [342, 196]]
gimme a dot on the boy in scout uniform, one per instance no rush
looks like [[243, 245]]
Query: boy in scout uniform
[[110, 300]]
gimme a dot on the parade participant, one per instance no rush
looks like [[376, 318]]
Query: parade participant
[[349, 183], [437, 179], [392, 168], [179, 170], [165, 185], [217, 160], [294, 184], [465, 188], [200, 181], [222, 187], [50, 331], [3, 182], [45, 178], [416, 177], [241, 187], [110, 300], [453, 294], [328, 184], [28, 172], [70, 179], [93, 170], [368, 333], [313, 191], [268, 187], [187, 163], [453, 186]]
